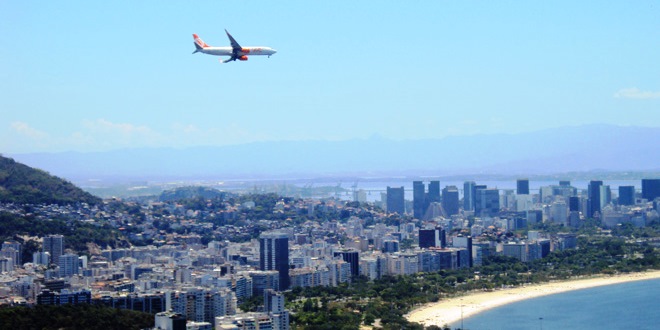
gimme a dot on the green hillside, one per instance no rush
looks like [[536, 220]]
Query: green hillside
[[189, 193], [26, 185], [83, 316]]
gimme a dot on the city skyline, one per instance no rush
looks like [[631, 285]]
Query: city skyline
[[211, 258], [96, 76]]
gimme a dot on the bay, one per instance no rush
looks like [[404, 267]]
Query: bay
[[632, 305]]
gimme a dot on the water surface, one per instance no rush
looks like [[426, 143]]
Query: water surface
[[632, 305]]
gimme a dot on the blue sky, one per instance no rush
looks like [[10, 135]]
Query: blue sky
[[94, 75]]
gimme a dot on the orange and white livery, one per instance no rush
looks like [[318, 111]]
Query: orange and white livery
[[235, 52]]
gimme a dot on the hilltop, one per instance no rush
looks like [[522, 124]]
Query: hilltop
[[20, 183]]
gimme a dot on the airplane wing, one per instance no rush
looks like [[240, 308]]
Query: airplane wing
[[234, 44]]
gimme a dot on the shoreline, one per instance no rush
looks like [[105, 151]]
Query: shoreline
[[449, 311]]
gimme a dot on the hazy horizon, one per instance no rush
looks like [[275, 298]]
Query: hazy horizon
[[578, 149]]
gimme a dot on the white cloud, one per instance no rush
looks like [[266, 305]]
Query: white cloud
[[185, 135], [102, 132], [634, 93], [185, 128], [27, 130], [106, 126]]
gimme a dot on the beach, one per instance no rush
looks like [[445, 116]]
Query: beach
[[449, 311]]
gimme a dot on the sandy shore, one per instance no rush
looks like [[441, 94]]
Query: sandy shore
[[448, 311]]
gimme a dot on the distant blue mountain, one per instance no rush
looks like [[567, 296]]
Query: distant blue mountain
[[564, 149]]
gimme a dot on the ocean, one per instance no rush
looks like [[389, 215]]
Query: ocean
[[632, 305]]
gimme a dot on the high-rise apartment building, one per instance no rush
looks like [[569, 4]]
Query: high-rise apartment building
[[201, 304], [274, 255], [274, 307], [41, 258], [13, 249], [68, 265], [54, 245], [264, 280], [273, 301]]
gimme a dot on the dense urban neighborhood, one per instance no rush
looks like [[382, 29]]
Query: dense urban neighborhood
[[207, 258]]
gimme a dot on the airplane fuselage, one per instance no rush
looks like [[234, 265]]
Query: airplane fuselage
[[228, 51]]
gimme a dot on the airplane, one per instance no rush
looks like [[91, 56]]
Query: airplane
[[236, 52]]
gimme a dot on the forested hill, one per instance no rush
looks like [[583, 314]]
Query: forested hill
[[189, 193], [23, 184]]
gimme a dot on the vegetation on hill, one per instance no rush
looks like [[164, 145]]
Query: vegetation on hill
[[190, 193], [22, 184], [83, 316], [76, 234]]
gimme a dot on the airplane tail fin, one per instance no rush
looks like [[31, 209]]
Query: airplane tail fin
[[199, 43]]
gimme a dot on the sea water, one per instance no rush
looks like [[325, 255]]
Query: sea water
[[632, 305]]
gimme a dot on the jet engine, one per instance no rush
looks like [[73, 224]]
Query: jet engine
[[243, 58]]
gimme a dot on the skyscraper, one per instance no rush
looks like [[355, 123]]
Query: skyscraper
[[54, 244], [419, 199], [274, 255], [574, 204], [522, 187], [468, 195], [395, 200], [594, 197], [650, 189], [434, 192], [487, 201], [605, 196], [450, 200], [626, 195]]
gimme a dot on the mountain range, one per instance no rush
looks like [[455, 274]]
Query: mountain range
[[564, 149]]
